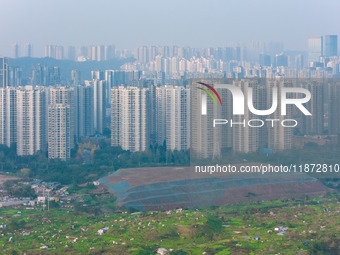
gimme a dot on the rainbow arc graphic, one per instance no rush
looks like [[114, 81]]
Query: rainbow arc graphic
[[204, 97]]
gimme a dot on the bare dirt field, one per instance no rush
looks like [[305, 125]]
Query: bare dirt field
[[4, 178]]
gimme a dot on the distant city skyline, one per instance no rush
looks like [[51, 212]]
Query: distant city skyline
[[128, 24]]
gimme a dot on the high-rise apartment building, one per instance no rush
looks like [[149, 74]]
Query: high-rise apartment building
[[206, 140], [14, 76], [75, 77], [173, 117], [245, 132], [3, 72], [93, 52], [84, 51], [84, 111], [129, 118], [265, 60], [8, 116], [109, 52], [99, 104], [141, 54], [71, 53], [59, 131], [279, 137], [118, 77], [281, 60], [315, 48], [97, 75], [334, 109], [65, 96], [314, 124], [50, 51], [246, 138], [299, 62], [45, 75], [100, 53], [59, 52], [15, 50], [28, 50], [331, 45], [160, 108], [31, 120], [54, 51]]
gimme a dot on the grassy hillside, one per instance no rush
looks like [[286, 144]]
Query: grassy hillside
[[306, 226]]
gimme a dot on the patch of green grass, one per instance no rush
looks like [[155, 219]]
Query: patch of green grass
[[189, 231]]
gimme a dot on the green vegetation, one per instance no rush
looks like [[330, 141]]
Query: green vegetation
[[17, 188], [105, 159], [75, 189], [313, 227]]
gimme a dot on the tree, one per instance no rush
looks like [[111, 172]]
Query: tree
[[25, 172]]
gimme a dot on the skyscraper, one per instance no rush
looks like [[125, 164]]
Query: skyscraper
[[331, 45], [93, 52], [315, 48], [84, 51], [206, 140], [99, 102], [334, 109], [100, 53], [160, 108], [71, 53], [65, 96], [281, 60], [15, 50], [14, 76], [129, 118], [88, 111], [311, 125], [141, 54], [59, 131], [109, 52], [50, 51], [75, 77], [299, 61], [8, 116], [97, 75], [84, 110], [240, 131], [37, 75], [173, 116], [245, 138], [28, 50], [279, 137], [54, 51], [59, 52], [51, 75], [3, 72], [31, 120], [265, 60]]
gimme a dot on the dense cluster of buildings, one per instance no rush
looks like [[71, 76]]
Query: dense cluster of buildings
[[152, 99], [262, 60], [93, 52], [250, 132]]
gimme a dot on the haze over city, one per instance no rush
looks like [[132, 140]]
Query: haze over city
[[128, 24], [169, 127]]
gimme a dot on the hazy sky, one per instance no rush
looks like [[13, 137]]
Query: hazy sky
[[193, 23]]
